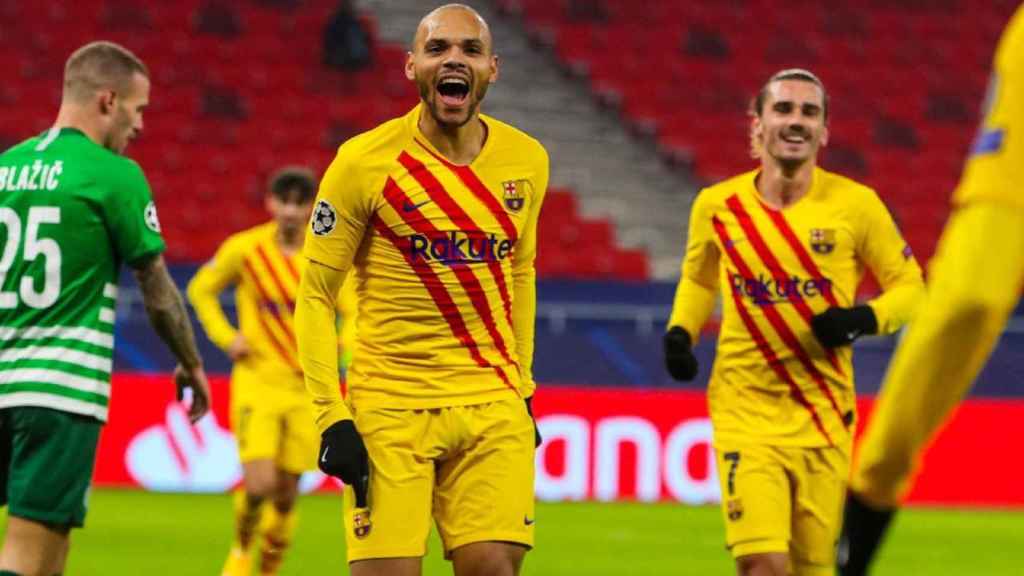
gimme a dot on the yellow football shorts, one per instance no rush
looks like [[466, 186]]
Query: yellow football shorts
[[784, 499], [273, 420], [468, 467]]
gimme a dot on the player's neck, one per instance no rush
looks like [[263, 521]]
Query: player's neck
[[71, 116], [781, 186], [460, 144]]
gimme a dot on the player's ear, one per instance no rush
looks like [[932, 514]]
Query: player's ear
[[107, 101], [494, 69], [410, 70], [756, 130], [756, 127], [824, 136]]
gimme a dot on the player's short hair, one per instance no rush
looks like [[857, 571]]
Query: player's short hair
[[100, 65], [757, 106], [285, 180]]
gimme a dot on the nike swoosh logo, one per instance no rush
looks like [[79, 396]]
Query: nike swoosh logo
[[323, 457], [528, 521], [409, 206]]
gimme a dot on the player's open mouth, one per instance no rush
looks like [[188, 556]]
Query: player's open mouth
[[794, 138], [453, 91]]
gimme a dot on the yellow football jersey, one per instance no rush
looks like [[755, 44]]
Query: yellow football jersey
[[772, 382], [442, 257], [265, 281], [995, 169]]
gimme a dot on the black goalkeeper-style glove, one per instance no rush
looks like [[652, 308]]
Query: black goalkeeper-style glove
[[343, 455], [536, 431], [841, 326], [679, 358]]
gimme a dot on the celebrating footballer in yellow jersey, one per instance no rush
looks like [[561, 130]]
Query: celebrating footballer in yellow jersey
[[445, 245], [786, 245], [772, 378], [435, 213], [270, 412], [975, 281]]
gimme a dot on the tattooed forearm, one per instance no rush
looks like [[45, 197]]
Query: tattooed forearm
[[166, 310]]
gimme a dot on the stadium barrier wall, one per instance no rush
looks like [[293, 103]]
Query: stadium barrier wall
[[605, 444]]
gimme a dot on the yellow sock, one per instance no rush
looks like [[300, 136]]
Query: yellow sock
[[276, 531]]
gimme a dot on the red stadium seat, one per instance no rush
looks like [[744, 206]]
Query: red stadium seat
[[882, 133]]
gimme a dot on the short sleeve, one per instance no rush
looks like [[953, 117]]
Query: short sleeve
[[130, 214]]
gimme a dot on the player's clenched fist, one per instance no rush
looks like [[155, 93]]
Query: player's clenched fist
[[343, 454], [679, 358], [841, 326]]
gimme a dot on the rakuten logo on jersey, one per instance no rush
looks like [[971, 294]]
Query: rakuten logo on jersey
[[763, 290], [457, 247]]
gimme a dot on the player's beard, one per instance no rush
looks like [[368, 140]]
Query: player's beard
[[430, 97]]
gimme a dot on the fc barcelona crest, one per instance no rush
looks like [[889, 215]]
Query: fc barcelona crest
[[823, 240], [514, 192]]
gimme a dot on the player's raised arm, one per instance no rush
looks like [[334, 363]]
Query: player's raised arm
[[204, 293], [889, 258], [167, 314], [695, 295]]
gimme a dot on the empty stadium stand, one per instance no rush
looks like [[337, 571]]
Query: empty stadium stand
[[239, 89], [906, 79]]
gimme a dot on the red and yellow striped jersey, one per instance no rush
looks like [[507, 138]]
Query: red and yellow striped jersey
[[995, 170], [265, 281], [443, 261], [772, 382]]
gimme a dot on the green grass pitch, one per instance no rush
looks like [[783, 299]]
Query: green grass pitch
[[131, 532]]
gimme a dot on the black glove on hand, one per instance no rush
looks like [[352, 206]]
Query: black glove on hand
[[536, 432], [841, 326], [679, 358], [343, 455]]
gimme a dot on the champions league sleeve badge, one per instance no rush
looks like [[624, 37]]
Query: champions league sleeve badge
[[150, 218], [324, 218]]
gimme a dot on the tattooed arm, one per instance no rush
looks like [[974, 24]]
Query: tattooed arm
[[167, 314]]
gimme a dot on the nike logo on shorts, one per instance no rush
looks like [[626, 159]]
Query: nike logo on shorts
[[528, 521], [323, 457]]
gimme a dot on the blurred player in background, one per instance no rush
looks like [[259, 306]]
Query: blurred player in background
[[975, 281], [74, 210], [270, 409], [436, 214], [787, 245]]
